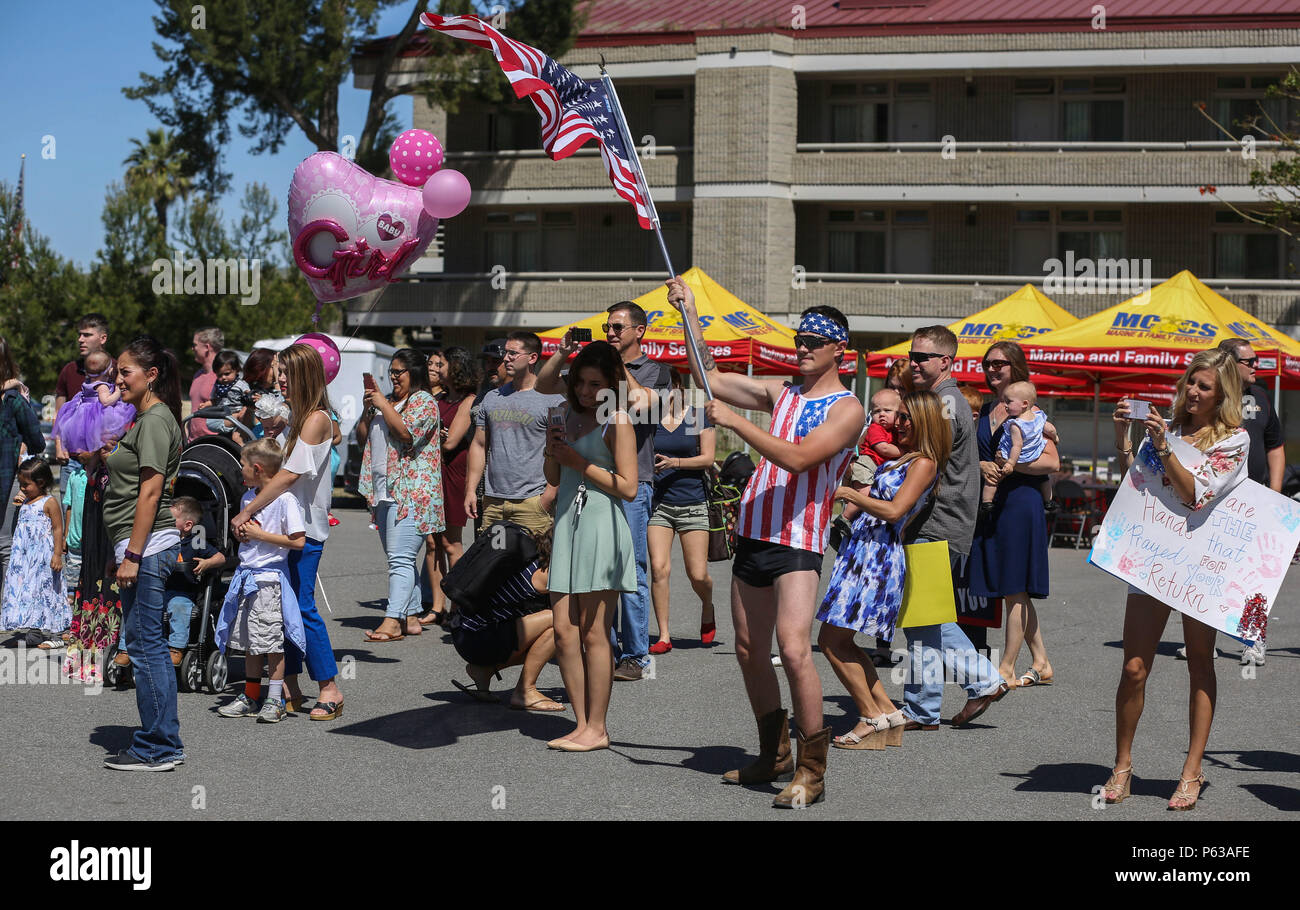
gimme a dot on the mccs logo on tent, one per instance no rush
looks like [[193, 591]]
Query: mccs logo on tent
[[1156, 324], [983, 333]]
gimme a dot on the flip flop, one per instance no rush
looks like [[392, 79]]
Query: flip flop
[[536, 706], [1032, 677], [481, 695], [374, 637], [335, 709], [434, 619]]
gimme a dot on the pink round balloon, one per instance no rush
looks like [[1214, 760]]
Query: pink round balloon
[[446, 194], [328, 351], [415, 156]]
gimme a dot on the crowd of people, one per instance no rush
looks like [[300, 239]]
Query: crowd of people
[[594, 460]]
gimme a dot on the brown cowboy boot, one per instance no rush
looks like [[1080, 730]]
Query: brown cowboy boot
[[808, 786], [774, 760]]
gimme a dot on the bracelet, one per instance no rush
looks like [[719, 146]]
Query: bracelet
[[133, 557], [1165, 452], [1127, 450]]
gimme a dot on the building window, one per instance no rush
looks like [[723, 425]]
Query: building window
[[1245, 250], [1089, 109], [672, 116], [1038, 235], [880, 111], [877, 241], [509, 130], [1240, 100]]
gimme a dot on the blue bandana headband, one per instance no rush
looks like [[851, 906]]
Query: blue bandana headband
[[817, 324]]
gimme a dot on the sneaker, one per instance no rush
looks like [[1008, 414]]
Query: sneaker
[[1181, 654], [272, 711], [629, 669], [126, 760], [242, 706], [1253, 654], [776, 660]]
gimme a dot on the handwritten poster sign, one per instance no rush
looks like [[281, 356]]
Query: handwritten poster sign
[[1222, 565]]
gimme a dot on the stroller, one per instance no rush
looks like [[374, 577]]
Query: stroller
[[210, 472]]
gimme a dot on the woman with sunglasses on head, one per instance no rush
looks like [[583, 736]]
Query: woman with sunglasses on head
[[1009, 552], [1207, 417], [410, 505], [866, 587], [306, 440]]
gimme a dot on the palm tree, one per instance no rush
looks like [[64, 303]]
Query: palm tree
[[156, 169]]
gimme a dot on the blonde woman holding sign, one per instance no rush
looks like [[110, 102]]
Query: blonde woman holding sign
[[1206, 416], [866, 587]]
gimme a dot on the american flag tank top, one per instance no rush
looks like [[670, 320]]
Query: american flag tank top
[[794, 509]]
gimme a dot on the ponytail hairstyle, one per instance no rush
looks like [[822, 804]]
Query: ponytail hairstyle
[[149, 354], [304, 373]]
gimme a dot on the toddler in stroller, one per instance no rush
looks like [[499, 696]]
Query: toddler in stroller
[[500, 614], [199, 557]]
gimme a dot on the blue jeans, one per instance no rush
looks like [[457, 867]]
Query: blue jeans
[[180, 609], [159, 736], [632, 638], [401, 540], [934, 649], [321, 666]]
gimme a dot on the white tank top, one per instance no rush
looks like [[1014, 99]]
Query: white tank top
[[314, 487]]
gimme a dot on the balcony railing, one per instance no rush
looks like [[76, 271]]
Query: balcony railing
[[1238, 284], [585, 152], [1012, 146]]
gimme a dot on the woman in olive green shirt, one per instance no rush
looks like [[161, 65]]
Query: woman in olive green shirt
[[141, 471]]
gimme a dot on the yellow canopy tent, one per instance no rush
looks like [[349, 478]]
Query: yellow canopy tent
[[735, 332]]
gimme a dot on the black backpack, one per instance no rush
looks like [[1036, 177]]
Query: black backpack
[[736, 470], [496, 556]]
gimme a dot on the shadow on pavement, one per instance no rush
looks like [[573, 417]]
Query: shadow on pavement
[[1285, 798], [1258, 760], [111, 738], [704, 759], [362, 655], [1081, 778], [444, 724]]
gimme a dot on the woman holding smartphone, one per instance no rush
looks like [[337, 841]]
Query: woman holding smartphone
[[592, 458], [1207, 417]]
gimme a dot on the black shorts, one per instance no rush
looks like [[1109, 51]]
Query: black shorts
[[759, 562], [490, 646]]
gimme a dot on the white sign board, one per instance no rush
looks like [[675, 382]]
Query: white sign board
[[1222, 565]]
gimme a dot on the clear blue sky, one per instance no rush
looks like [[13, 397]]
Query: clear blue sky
[[63, 68]]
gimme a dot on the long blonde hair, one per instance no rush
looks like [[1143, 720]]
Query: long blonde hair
[[1227, 410], [305, 372], [931, 430]]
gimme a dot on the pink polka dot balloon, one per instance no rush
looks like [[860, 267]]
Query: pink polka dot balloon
[[415, 156], [328, 351]]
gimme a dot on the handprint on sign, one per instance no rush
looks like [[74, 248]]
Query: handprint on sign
[[1273, 556]]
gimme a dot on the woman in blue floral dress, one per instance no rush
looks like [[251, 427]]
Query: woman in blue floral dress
[[866, 586]]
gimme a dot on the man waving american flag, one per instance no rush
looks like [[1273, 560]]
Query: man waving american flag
[[573, 110]]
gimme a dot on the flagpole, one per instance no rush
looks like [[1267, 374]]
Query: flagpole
[[635, 160]]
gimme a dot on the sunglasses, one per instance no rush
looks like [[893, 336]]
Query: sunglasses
[[994, 365], [921, 356], [1251, 362], [615, 328], [903, 417], [812, 342]]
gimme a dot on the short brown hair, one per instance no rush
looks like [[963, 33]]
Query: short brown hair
[[1013, 354], [265, 452], [1231, 346], [188, 508], [944, 341]]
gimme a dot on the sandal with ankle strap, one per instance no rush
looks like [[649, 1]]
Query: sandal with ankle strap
[[875, 740], [1112, 791], [1182, 793]]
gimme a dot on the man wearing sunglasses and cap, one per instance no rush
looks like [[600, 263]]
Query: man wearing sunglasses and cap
[[782, 527]]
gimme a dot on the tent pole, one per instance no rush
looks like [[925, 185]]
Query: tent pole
[[1096, 425], [749, 415], [1277, 386]]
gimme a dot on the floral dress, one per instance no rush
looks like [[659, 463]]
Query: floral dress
[[97, 610], [415, 468], [1221, 469], [866, 586], [33, 593]]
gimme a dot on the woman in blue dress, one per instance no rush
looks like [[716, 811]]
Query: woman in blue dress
[[866, 586], [1009, 553]]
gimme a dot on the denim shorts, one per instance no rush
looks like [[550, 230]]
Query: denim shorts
[[681, 518]]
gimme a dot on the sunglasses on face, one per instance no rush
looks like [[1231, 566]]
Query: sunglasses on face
[[995, 365], [1251, 362], [614, 328], [812, 342], [903, 417], [921, 356]]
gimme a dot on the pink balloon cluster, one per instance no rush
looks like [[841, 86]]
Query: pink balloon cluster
[[416, 159]]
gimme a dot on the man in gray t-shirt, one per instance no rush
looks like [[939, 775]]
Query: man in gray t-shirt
[[950, 516], [513, 418]]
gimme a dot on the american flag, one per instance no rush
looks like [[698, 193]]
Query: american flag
[[573, 110]]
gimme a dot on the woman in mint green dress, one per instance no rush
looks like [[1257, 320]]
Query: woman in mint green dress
[[592, 459]]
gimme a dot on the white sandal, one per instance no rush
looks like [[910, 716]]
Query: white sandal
[[873, 741]]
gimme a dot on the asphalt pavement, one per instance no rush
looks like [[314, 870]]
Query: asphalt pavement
[[410, 746]]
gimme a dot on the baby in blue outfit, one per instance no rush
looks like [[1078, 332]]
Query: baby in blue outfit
[[1022, 441]]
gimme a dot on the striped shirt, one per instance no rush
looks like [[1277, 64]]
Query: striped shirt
[[794, 510], [515, 598]]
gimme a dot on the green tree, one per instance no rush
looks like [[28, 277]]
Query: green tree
[[280, 64], [157, 169]]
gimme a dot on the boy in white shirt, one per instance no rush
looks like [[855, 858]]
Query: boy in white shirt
[[261, 608]]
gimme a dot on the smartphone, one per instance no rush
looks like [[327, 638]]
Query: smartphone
[[1138, 409], [368, 380], [582, 335], [555, 416]]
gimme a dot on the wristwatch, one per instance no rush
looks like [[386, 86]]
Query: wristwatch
[[133, 557]]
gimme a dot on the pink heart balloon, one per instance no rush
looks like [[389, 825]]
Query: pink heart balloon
[[353, 232]]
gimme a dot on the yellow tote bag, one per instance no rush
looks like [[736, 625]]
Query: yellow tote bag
[[927, 586]]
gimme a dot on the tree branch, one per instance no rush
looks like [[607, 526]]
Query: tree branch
[[380, 94], [315, 135]]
